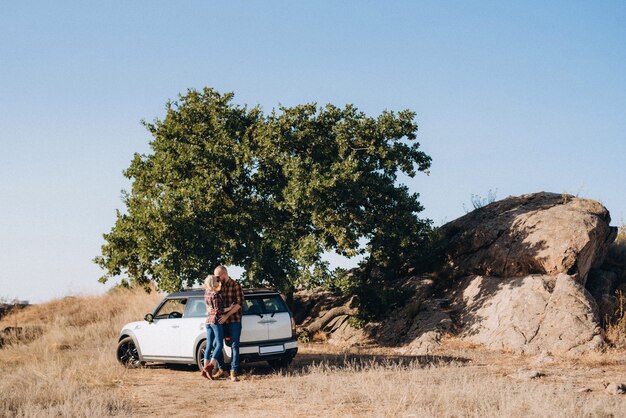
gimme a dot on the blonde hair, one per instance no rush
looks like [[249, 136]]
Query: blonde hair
[[212, 282]]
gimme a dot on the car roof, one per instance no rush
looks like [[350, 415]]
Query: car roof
[[200, 292]]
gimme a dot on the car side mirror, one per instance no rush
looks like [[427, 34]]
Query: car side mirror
[[149, 317]]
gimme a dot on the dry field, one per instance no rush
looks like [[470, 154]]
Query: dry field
[[70, 370]]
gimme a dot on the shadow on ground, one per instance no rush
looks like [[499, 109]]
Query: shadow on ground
[[303, 362]]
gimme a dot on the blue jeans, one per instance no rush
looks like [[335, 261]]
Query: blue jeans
[[215, 340], [234, 329]]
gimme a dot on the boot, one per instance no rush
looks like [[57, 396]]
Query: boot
[[207, 371]]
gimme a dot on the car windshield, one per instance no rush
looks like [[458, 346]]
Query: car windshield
[[265, 304]]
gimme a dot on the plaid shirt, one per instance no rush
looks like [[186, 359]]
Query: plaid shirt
[[232, 293], [215, 306]]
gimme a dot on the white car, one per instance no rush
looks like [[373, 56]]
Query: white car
[[175, 331]]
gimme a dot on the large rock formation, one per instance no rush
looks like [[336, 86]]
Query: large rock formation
[[541, 233], [526, 260]]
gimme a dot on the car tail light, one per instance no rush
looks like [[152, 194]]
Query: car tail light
[[293, 327]]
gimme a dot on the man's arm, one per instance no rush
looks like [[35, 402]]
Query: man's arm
[[227, 313], [238, 298]]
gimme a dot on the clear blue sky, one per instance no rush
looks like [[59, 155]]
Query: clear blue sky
[[514, 96]]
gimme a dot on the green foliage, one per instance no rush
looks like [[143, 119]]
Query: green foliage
[[341, 281], [227, 184], [304, 336], [376, 294], [356, 322], [377, 298]]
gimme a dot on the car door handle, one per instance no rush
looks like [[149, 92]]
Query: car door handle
[[175, 326]]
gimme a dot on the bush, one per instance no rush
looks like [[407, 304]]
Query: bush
[[376, 293]]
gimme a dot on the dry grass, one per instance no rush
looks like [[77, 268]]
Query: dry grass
[[616, 329], [328, 381], [70, 369], [380, 389]]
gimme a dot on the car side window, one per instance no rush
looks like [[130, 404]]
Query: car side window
[[196, 308], [172, 308]]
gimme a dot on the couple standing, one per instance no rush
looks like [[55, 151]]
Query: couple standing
[[223, 297]]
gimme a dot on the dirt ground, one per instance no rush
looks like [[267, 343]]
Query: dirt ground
[[327, 381]]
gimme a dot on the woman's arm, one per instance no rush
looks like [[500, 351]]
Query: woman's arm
[[209, 305], [217, 306]]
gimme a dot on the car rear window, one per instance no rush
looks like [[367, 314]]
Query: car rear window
[[263, 304], [252, 305]]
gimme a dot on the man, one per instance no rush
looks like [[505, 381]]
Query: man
[[232, 294]]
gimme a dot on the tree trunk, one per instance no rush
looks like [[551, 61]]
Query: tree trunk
[[321, 322]]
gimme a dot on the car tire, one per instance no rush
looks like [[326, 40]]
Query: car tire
[[200, 355], [280, 363], [128, 354]]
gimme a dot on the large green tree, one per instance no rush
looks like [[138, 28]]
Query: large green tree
[[227, 184]]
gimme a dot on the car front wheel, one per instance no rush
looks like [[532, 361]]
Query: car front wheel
[[200, 355], [127, 353]]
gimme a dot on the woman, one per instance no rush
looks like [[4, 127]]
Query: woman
[[214, 330]]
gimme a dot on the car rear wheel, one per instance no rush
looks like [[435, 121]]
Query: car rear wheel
[[127, 353]]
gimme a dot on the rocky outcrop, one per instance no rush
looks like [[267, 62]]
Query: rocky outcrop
[[416, 327], [526, 261], [535, 313], [516, 275], [541, 233]]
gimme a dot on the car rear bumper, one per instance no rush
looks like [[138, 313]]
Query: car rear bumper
[[269, 350], [250, 357]]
